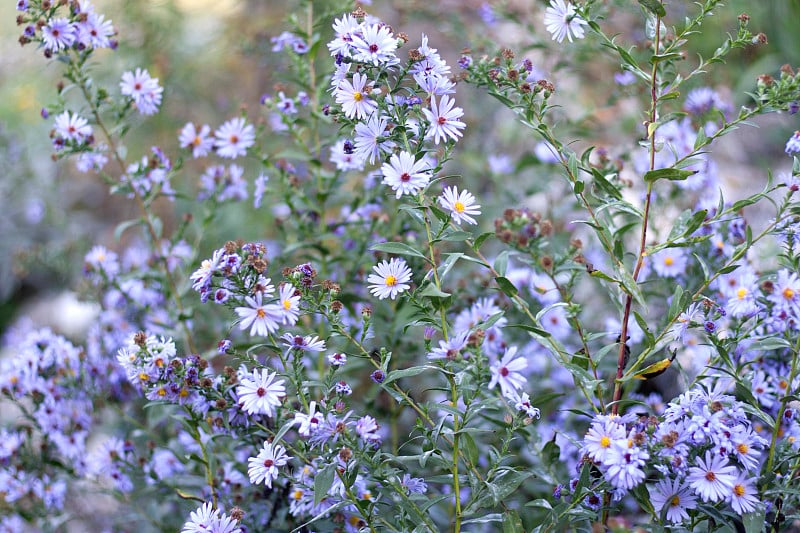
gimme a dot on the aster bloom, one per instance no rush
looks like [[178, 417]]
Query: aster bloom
[[506, 373], [669, 262], [451, 348], [370, 139], [414, 485], [603, 432], [308, 422], [744, 497], [625, 464], [461, 205], [376, 45], [95, 31], [234, 137], [390, 278], [337, 359], [305, 344], [58, 34], [404, 175], [344, 28], [260, 318], [200, 141], [677, 497], [288, 306], [263, 468], [142, 89], [443, 118], [562, 20], [713, 478], [261, 393], [354, 97], [72, 127], [523, 403], [793, 144]]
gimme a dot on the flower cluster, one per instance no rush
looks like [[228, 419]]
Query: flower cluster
[[703, 448]]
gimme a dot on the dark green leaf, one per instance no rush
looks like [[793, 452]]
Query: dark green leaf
[[672, 174], [512, 523], [396, 248], [654, 7], [506, 286]]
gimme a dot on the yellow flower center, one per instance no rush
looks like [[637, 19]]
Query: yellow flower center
[[287, 304], [297, 494], [742, 448], [669, 261], [788, 293], [605, 442], [143, 376], [675, 501], [260, 313], [197, 140], [738, 490], [741, 293], [459, 207], [390, 281], [357, 96]]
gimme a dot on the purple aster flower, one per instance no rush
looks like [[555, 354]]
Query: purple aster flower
[[234, 137], [58, 34], [142, 89], [261, 393], [260, 318], [676, 496], [405, 175], [443, 117], [263, 468], [744, 497], [793, 144], [72, 127], [354, 97], [376, 45], [370, 138], [414, 485], [562, 20], [390, 278], [200, 141], [713, 478], [507, 372]]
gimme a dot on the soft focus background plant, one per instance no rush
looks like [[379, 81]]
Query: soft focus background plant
[[299, 323]]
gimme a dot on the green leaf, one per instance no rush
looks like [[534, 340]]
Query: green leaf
[[512, 523], [754, 522], [431, 291], [501, 263], [654, 7], [578, 187], [671, 174], [532, 329], [323, 481], [506, 286], [397, 248], [394, 375], [469, 447], [481, 238], [456, 236], [123, 226]]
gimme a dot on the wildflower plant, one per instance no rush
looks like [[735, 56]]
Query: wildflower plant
[[391, 359]]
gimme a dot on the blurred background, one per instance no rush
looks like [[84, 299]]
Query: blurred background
[[214, 57]]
